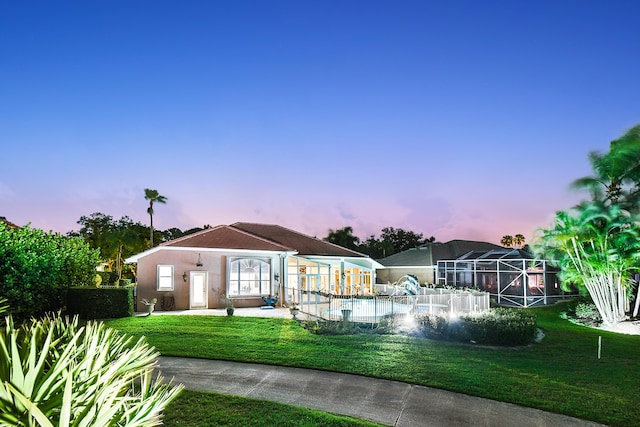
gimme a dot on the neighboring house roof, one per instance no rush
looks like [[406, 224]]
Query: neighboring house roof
[[303, 244], [456, 248], [502, 253], [414, 257], [430, 253]]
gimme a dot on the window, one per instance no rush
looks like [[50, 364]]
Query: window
[[249, 276], [165, 277]]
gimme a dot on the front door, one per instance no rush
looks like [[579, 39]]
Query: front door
[[198, 295]]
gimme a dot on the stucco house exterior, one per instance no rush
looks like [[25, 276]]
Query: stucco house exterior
[[245, 262]]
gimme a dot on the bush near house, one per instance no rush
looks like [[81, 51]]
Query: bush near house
[[100, 303], [498, 326]]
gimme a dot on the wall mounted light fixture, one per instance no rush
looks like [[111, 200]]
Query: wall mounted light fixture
[[184, 276], [199, 263], [276, 277]]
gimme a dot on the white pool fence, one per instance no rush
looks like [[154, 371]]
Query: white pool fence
[[370, 309]]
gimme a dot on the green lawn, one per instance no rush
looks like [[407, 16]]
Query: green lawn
[[197, 409], [562, 374]]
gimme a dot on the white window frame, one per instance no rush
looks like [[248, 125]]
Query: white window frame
[[237, 281], [163, 276]]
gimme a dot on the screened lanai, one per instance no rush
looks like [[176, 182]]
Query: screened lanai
[[511, 276]]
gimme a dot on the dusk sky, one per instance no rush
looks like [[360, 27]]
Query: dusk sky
[[455, 119]]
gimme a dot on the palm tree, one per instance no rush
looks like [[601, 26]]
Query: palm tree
[[507, 241], [518, 240], [616, 178], [343, 237], [596, 249], [153, 197]]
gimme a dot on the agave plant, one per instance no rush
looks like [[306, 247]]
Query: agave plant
[[55, 373]]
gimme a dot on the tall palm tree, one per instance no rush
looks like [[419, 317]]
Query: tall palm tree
[[596, 249], [153, 197]]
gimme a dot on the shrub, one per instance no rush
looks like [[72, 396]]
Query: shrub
[[588, 311], [54, 373], [583, 311], [500, 326], [37, 268], [340, 327], [100, 303]]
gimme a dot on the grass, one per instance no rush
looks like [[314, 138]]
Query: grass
[[562, 374], [197, 409]]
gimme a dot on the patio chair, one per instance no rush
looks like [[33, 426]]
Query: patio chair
[[270, 301]]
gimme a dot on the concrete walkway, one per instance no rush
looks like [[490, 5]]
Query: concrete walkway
[[386, 402]]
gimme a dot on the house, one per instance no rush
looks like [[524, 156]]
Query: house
[[422, 261], [245, 262], [511, 276]]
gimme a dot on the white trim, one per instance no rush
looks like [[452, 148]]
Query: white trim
[[137, 257], [171, 276], [192, 274], [351, 260], [408, 266]]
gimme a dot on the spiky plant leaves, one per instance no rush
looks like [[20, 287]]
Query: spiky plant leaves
[[53, 372]]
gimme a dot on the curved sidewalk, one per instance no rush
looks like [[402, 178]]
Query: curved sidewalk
[[386, 402]]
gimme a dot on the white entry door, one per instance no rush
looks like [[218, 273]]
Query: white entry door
[[198, 295]]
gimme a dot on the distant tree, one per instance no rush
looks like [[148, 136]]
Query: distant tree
[[116, 240], [153, 197], [94, 230], [174, 233], [343, 237], [507, 241], [171, 234], [518, 240], [401, 240], [126, 238]]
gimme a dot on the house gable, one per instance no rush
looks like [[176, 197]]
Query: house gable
[[226, 237]]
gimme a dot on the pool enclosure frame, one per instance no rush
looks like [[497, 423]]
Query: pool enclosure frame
[[511, 276]]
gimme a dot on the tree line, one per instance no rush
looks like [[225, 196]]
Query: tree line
[[391, 241]]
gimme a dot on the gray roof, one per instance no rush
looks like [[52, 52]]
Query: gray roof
[[430, 253]]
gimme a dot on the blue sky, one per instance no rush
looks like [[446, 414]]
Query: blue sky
[[457, 119]]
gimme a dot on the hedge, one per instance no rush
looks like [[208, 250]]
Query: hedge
[[100, 303]]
